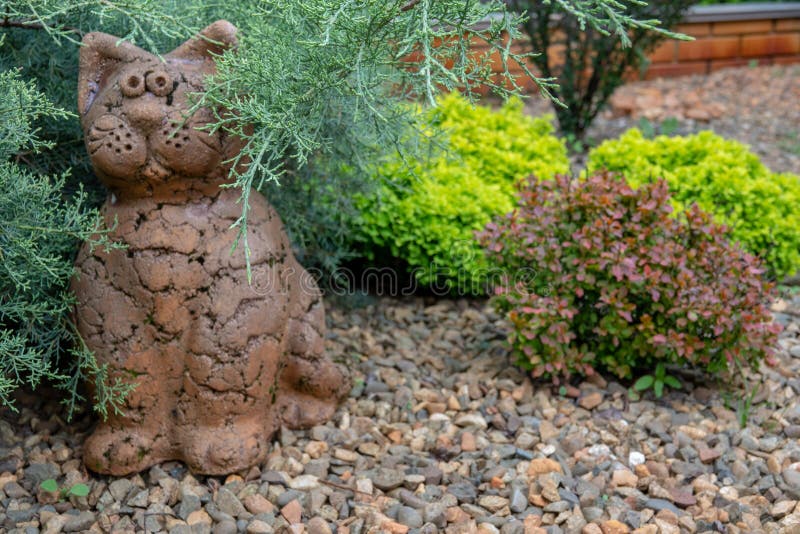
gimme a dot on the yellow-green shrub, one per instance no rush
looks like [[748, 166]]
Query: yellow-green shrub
[[724, 178], [428, 216]]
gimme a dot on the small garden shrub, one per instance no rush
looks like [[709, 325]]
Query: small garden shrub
[[428, 215], [601, 275], [724, 178]]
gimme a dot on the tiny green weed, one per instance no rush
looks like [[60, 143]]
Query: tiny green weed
[[77, 490], [657, 381]]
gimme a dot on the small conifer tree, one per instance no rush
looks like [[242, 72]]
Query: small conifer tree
[[591, 51]]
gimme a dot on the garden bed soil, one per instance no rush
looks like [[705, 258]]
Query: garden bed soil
[[758, 106], [442, 433]]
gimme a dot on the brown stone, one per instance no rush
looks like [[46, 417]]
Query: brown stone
[[394, 527], [218, 364], [468, 443], [198, 517], [623, 477], [257, 504], [612, 526], [707, 454], [454, 514], [658, 470], [667, 516], [317, 525], [683, 496], [532, 524], [536, 498], [591, 400], [641, 471], [547, 430], [542, 466], [292, 512]]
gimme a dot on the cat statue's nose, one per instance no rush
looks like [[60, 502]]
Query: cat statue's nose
[[145, 112]]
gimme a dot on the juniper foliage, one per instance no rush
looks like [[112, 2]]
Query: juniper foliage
[[321, 81], [39, 231]]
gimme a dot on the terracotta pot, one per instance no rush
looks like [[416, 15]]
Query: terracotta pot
[[218, 363]]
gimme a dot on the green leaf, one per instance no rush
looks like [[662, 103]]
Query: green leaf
[[643, 383], [49, 485], [672, 382], [79, 490], [660, 372], [658, 389]]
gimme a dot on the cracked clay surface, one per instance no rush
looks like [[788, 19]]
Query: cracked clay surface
[[218, 364]]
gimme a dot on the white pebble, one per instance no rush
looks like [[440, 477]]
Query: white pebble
[[635, 458]]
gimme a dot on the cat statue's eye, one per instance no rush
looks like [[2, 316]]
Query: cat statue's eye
[[131, 85], [159, 83]]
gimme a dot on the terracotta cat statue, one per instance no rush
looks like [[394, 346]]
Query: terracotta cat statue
[[218, 364]]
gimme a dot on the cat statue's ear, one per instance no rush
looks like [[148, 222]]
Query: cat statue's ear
[[100, 53], [212, 41]]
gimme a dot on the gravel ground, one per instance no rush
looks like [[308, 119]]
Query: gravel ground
[[441, 433], [759, 106]]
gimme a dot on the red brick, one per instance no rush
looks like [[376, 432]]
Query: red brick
[[710, 48], [787, 25], [694, 29], [771, 45], [741, 28], [668, 70], [665, 52], [786, 60]]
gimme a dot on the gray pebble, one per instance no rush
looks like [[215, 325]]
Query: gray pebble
[[662, 504], [463, 491], [35, 474], [591, 513], [120, 488], [288, 496], [79, 522], [229, 503], [189, 503], [557, 507], [409, 517], [15, 491], [519, 500], [513, 527], [791, 477], [225, 527], [387, 479], [435, 513]]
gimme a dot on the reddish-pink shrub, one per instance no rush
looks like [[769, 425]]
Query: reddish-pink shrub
[[597, 274]]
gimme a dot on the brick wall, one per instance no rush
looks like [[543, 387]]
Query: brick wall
[[727, 44], [725, 36]]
